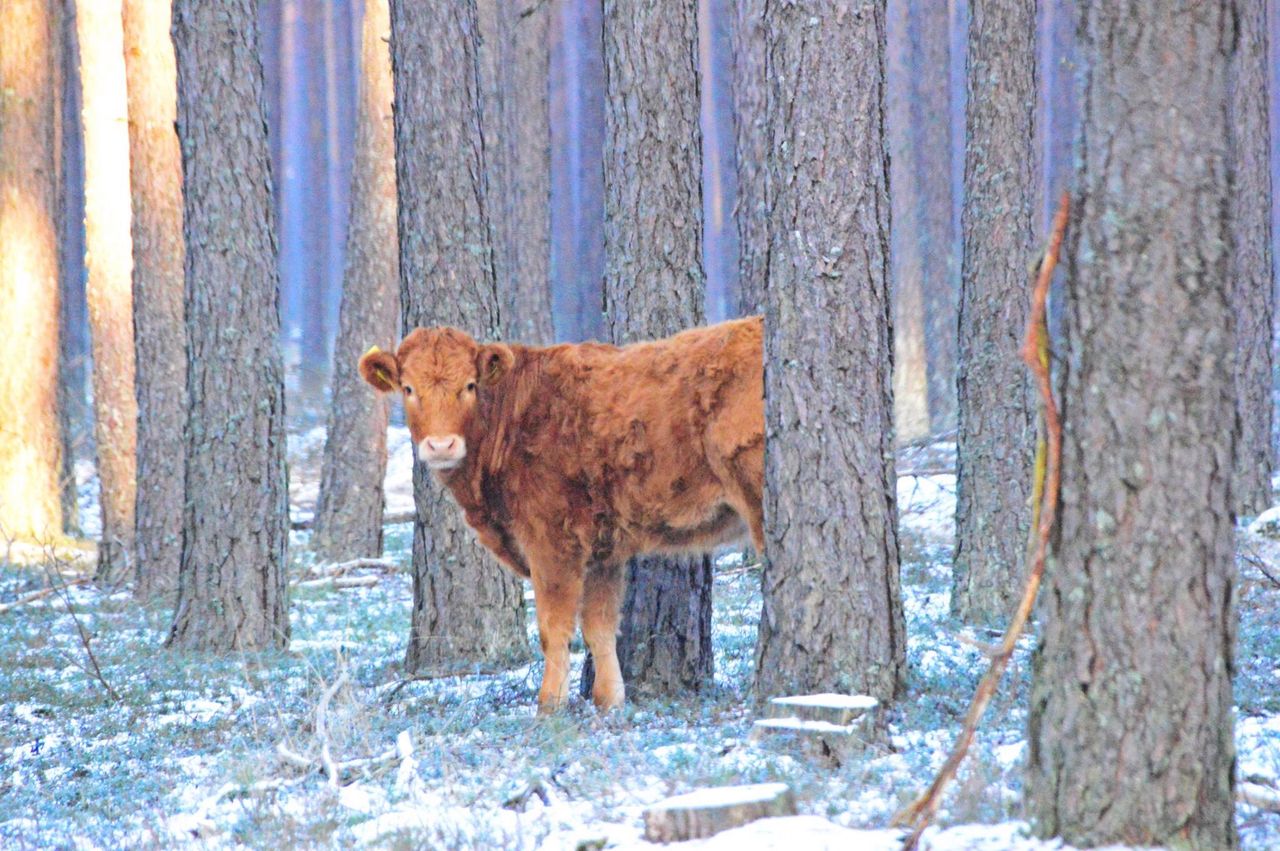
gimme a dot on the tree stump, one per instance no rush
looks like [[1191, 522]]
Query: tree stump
[[707, 812], [831, 727]]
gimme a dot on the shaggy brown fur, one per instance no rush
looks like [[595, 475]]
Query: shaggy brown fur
[[571, 459]]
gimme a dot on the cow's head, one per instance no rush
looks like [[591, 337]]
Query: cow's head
[[439, 373]]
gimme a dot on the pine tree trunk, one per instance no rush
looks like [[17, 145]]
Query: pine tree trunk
[[1252, 271], [72, 408], [654, 287], [910, 360], [751, 206], [515, 65], [349, 509], [832, 618], [1131, 711], [30, 456], [232, 592], [108, 256], [158, 292], [468, 612], [930, 120], [996, 438]]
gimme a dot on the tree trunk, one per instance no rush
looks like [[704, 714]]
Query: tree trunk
[[231, 587], [654, 287], [751, 207], [110, 289], [910, 367], [350, 506], [73, 419], [468, 612], [1254, 293], [832, 618], [30, 456], [1131, 716], [930, 123], [996, 438], [158, 291], [516, 67]]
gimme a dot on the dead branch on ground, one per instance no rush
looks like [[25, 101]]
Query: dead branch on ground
[[1035, 353]]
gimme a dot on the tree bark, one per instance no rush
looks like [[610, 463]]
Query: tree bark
[[350, 505], [232, 592], [751, 206], [996, 438], [1254, 295], [655, 286], [30, 454], [832, 618], [160, 344], [108, 256], [1131, 711], [930, 124], [910, 361], [516, 66], [468, 612]]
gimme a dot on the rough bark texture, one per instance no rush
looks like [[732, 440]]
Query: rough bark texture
[[751, 208], [910, 367], [30, 445], [350, 505], [515, 65], [158, 312], [996, 438], [110, 286], [467, 611], [1131, 717], [231, 587], [930, 117], [832, 618], [1251, 270], [654, 286]]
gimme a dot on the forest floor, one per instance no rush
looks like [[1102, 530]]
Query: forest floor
[[108, 741]]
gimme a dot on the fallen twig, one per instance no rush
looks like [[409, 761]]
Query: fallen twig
[[61, 590], [1258, 796], [42, 593], [391, 518], [342, 568], [1035, 353], [338, 582], [322, 731]]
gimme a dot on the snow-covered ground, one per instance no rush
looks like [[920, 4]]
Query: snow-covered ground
[[185, 748]]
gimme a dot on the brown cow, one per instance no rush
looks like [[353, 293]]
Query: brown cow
[[569, 460]]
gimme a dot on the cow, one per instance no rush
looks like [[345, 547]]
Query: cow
[[568, 460]]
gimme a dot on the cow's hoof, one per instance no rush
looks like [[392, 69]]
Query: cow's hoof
[[550, 708], [609, 702]]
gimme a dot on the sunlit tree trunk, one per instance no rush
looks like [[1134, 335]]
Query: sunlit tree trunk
[[654, 287], [30, 447], [1130, 722], [1251, 260], [996, 436], [832, 615], [108, 254], [231, 586], [349, 510], [468, 612], [158, 294]]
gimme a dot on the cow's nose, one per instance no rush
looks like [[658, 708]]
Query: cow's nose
[[441, 444]]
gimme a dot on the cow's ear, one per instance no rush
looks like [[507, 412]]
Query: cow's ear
[[492, 362], [380, 369]]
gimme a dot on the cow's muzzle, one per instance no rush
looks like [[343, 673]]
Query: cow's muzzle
[[442, 452]]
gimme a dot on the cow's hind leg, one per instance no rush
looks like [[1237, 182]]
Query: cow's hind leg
[[601, 608], [557, 600]]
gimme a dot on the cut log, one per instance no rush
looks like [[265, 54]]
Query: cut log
[[706, 812], [839, 709]]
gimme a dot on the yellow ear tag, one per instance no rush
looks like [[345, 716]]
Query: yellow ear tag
[[377, 370]]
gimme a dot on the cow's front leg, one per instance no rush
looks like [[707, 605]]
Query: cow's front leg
[[601, 611], [557, 601]]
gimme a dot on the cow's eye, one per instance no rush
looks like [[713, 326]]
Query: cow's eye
[[471, 385], [408, 391]]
